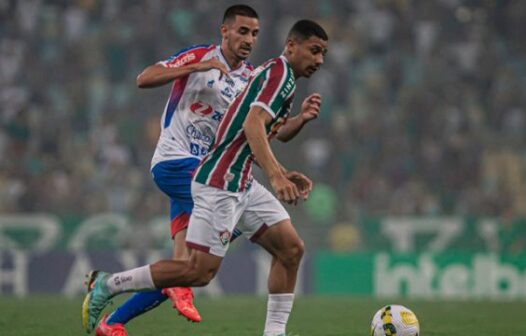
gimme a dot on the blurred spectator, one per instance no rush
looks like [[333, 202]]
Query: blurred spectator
[[423, 104], [344, 237]]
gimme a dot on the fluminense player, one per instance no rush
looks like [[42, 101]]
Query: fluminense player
[[206, 78], [224, 190]]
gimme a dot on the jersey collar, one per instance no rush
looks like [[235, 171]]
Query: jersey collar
[[222, 58], [284, 59]]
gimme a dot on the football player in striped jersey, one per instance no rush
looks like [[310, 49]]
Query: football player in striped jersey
[[224, 190]]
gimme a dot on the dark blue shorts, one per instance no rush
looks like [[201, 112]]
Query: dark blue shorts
[[174, 178]]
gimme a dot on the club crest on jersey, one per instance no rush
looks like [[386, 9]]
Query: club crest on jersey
[[243, 78], [229, 177], [210, 83], [246, 74], [224, 237]]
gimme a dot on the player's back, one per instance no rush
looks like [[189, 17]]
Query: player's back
[[196, 104]]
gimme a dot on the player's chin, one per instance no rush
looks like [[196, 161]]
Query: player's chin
[[243, 54], [309, 72]]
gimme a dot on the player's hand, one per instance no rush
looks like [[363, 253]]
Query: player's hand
[[310, 108], [213, 63], [302, 182], [285, 189]]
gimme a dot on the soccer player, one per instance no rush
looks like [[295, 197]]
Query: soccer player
[[224, 190], [206, 78]]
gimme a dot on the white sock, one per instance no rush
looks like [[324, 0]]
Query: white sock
[[278, 310], [136, 279]]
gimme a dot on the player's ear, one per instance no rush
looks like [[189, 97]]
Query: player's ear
[[291, 45], [223, 29]]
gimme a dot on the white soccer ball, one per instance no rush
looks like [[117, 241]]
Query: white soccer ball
[[395, 320]]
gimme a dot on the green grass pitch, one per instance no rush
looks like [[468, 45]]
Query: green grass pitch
[[233, 315]]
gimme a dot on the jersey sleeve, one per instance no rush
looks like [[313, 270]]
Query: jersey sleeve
[[186, 56], [276, 85]]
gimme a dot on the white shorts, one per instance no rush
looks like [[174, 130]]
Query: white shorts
[[217, 211]]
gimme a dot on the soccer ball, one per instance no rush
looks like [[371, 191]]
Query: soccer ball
[[395, 320]]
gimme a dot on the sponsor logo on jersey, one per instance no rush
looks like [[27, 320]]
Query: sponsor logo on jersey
[[227, 92], [196, 134], [201, 109], [217, 116], [288, 87], [183, 60], [229, 81]]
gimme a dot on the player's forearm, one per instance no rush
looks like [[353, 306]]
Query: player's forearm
[[290, 129], [158, 75], [257, 139], [283, 169]]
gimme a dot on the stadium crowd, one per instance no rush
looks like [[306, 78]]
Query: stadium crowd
[[423, 113]]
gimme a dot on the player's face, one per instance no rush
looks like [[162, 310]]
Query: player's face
[[307, 56], [240, 36]]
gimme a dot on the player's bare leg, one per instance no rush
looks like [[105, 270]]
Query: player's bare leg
[[197, 271], [182, 297], [283, 243]]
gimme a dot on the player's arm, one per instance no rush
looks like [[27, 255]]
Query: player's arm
[[310, 109], [283, 169], [159, 74], [254, 128]]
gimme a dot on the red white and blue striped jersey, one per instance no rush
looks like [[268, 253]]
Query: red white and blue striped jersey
[[196, 104], [228, 166]]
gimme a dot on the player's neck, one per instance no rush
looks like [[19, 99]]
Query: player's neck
[[286, 55], [231, 59]]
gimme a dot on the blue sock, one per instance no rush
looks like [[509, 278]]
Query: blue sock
[[137, 304]]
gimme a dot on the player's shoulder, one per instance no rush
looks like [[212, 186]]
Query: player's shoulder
[[278, 64], [203, 48], [276, 67], [192, 54]]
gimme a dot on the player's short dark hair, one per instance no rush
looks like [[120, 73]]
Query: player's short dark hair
[[304, 29], [242, 10]]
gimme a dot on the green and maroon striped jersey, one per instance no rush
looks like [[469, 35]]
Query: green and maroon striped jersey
[[228, 165]]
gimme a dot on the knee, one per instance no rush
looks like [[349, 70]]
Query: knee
[[199, 276], [293, 254], [203, 279]]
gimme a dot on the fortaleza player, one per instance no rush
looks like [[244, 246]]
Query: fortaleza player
[[206, 79], [224, 191]]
